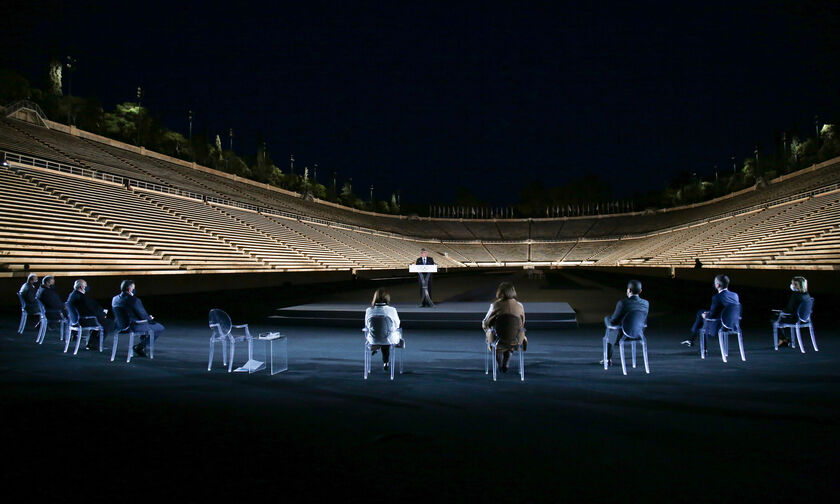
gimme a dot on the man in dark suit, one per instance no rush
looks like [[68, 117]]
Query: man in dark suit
[[624, 306], [426, 278], [721, 300], [29, 292], [86, 306], [47, 295], [130, 313]]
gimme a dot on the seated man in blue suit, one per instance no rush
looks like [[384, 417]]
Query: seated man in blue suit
[[721, 300], [129, 312], [624, 306]]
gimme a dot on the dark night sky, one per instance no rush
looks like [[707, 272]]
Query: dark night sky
[[431, 97]]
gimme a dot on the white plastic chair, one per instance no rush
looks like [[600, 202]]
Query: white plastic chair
[[507, 323], [43, 324], [381, 333], [632, 328], [80, 330], [220, 331], [803, 320]]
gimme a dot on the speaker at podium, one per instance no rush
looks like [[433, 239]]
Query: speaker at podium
[[424, 274]]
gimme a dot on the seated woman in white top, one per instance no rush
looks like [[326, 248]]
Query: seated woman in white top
[[378, 308]]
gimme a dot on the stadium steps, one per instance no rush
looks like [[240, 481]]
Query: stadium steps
[[288, 232], [442, 248], [45, 232], [586, 250], [306, 248], [696, 242], [823, 249], [550, 251], [133, 217], [15, 140], [805, 222], [148, 166], [80, 152], [226, 228], [113, 158], [322, 234], [380, 248], [473, 252], [508, 252]]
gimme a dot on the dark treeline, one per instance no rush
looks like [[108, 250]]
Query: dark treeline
[[131, 122], [591, 195]]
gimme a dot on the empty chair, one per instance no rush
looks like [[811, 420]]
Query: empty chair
[[43, 324], [81, 327], [803, 320], [632, 330], [506, 327], [221, 329], [728, 324], [382, 333]]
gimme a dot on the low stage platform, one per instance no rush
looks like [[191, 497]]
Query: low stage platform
[[447, 315]]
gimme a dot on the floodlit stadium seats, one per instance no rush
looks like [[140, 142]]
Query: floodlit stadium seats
[[76, 203]]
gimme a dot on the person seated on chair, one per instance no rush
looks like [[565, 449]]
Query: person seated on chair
[[86, 306], [379, 307], [130, 313], [624, 306], [799, 286], [29, 292], [47, 295], [505, 304], [721, 300]]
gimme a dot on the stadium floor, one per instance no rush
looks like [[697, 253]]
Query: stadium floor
[[692, 430]]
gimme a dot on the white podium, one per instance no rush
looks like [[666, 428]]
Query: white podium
[[425, 272], [422, 268]]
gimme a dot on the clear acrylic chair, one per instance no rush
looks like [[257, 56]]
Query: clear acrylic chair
[[510, 325], [43, 324], [23, 313], [220, 332], [81, 327], [132, 333], [381, 333], [803, 320], [633, 330], [728, 324]]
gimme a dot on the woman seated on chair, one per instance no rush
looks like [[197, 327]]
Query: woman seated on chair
[[505, 304], [799, 286], [379, 307]]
